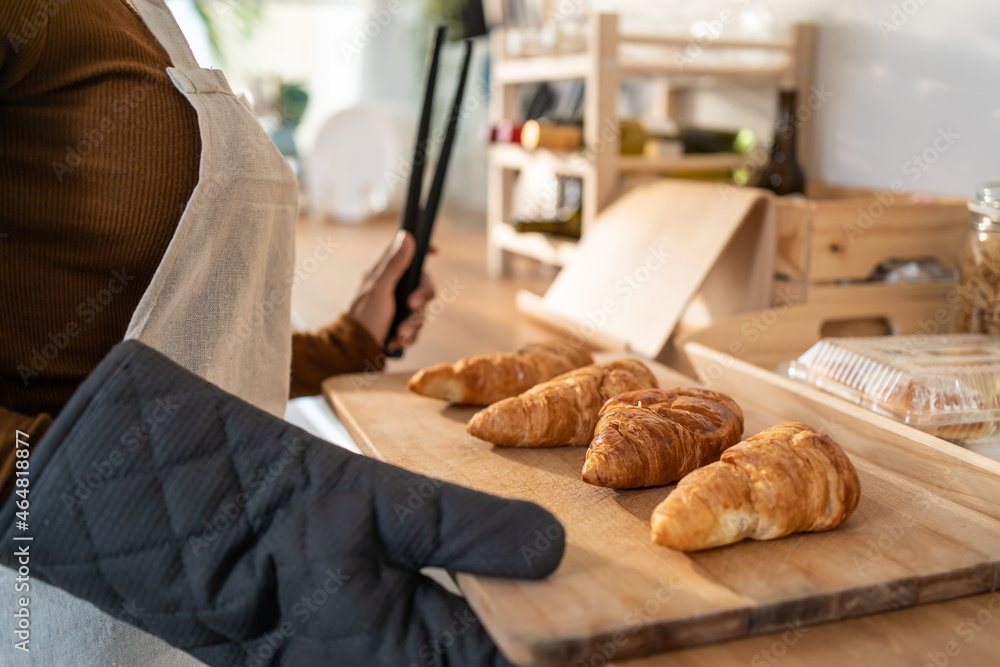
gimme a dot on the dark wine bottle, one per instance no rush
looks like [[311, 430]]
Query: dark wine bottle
[[782, 173]]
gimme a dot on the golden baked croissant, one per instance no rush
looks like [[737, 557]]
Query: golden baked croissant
[[488, 378], [562, 411], [787, 479], [656, 436]]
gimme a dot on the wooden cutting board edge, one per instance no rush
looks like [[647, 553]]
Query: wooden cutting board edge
[[652, 638], [628, 641]]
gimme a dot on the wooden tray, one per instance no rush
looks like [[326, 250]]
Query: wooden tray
[[616, 594]]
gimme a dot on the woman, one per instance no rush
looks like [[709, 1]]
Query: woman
[[100, 158], [141, 200]]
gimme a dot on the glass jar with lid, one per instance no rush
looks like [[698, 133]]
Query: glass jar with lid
[[978, 292]]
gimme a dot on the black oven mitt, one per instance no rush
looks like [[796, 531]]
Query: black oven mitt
[[232, 535]]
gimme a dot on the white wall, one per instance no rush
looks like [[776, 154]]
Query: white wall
[[895, 88], [299, 42], [893, 92], [319, 43]]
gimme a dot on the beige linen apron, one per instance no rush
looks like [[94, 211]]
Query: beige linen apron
[[219, 305]]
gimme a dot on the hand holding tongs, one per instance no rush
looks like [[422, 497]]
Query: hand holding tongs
[[419, 220]]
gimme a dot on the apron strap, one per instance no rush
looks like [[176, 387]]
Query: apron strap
[[161, 23], [196, 81]]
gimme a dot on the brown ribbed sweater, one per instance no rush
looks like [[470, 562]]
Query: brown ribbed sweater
[[99, 154]]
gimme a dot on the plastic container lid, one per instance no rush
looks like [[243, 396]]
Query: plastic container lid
[[944, 385]]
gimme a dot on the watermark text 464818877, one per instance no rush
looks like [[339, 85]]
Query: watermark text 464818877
[[22, 545]]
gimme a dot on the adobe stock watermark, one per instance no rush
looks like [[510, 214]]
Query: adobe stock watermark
[[757, 158], [708, 32], [565, 10], [99, 472], [130, 612], [898, 17], [33, 23], [915, 167], [451, 290], [542, 541], [920, 163], [608, 136], [968, 629], [462, 621], [280, 295], [229, 512], [895, 531], [121, 109], [422, 492], [752, 330], [88, 309], [370, 30], [479, 94], [418, 496], [607, 649], [626, 288], [303, 610], [773, 654]]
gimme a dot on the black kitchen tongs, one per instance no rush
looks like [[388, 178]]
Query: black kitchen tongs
[[417, 219]]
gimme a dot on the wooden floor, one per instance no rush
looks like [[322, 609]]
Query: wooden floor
[[475, 315], [470, 315]]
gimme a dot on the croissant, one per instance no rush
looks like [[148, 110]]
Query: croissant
[[488, 378], [562, 411], [787, 479], [656, 436]]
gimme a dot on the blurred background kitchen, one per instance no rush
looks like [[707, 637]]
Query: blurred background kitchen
[[897, 71], [893, 96]]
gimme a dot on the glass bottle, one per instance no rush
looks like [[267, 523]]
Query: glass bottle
[[978, 291], [782, 174], [565, 220]]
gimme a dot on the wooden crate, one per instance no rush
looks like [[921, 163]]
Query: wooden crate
[[839, 234]]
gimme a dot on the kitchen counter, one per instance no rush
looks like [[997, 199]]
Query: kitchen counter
[[476, 315]]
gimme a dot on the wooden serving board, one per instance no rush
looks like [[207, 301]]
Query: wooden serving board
[[616, 594]]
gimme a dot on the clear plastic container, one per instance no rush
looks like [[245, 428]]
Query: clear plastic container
[[943, 385]]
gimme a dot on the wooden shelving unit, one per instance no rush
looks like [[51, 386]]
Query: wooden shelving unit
[[601, 66]]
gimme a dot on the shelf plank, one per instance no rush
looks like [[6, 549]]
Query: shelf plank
[[576, 164], [549, 68], [512, 156], [707, 162], [684, 69], [542, 247], [686, 40], [540, 68]]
